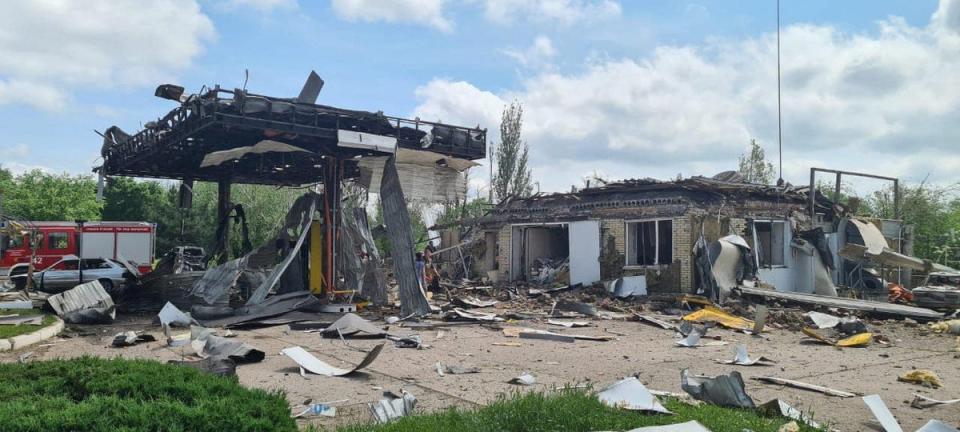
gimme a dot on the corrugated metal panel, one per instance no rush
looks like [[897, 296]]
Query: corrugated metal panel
[[83, 296]]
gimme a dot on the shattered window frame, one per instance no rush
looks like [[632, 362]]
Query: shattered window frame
[[631, 257], [765, 254]]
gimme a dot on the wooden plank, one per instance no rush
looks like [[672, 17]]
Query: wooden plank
[[847, 303]]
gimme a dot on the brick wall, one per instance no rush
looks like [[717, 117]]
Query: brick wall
[[682, 250], [504, 257]]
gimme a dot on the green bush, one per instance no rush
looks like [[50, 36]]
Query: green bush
[[572, 411], [94, 394]]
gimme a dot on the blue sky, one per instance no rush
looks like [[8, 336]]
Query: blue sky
[[624, 89]]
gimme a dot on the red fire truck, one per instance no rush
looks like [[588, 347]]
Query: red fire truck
[[131, 241]]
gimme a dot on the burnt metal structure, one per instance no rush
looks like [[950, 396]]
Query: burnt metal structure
[[327, 142]]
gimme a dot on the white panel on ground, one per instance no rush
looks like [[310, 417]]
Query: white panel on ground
[[584, 252], [97, 245], [134, 247]]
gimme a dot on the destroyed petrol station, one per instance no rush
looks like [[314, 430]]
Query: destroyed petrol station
[[778, 300]]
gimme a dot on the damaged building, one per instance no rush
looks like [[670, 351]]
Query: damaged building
[[696, 235], [324, 253]]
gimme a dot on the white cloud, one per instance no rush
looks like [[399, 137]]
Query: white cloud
[[565, 12], [538, 55], [887, 102], [32, 94], [423, 12], [48, 47], [261, 5], [17, 151]]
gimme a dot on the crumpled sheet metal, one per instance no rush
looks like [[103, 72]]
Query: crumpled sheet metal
[[216, 366], [86, 303], [890, 423], [692, 340], [715, 314], [314, 365], [457, 314], [413, 301], [777, 407], [351, 325], [213, 288], [937, 426], [690, 426], [272, 307], [822, 320], [742, 358], [171, 316], [392, 408], [206, 344], [630, 393], [722, 390], [265, 146], [298, 218]]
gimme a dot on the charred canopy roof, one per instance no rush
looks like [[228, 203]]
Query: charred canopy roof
[[219, 119]]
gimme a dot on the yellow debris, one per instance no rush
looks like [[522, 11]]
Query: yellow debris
[[715, 314], [857, 340], [790, 427], [952, 327], [812, 333], [926, 378]]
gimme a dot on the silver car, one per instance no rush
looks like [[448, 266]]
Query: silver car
[[65, 274]]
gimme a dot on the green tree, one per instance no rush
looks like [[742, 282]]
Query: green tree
[[511, 176], [126, 199], [754, 166], [934, 213], [40, 196]]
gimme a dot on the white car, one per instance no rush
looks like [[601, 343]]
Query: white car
[[65, 274]]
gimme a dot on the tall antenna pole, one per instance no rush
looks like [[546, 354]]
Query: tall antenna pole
[[779, 120]]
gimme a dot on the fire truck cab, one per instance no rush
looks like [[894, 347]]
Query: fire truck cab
[[130, 241]]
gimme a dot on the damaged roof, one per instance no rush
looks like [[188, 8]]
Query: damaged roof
[[647, 192], [218, 120]]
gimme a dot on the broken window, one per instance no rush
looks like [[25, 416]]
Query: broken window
[[650, 242], [770, 239], [57, 240]]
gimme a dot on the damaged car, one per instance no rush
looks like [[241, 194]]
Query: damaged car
[[70, 271]]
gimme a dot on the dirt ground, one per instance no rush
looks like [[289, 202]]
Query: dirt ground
[[642, 350]]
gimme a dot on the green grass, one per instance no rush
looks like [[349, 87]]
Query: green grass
[[7, 331], [572, 411], [116, 395]]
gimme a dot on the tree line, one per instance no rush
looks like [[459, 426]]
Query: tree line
[[41, 196]]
